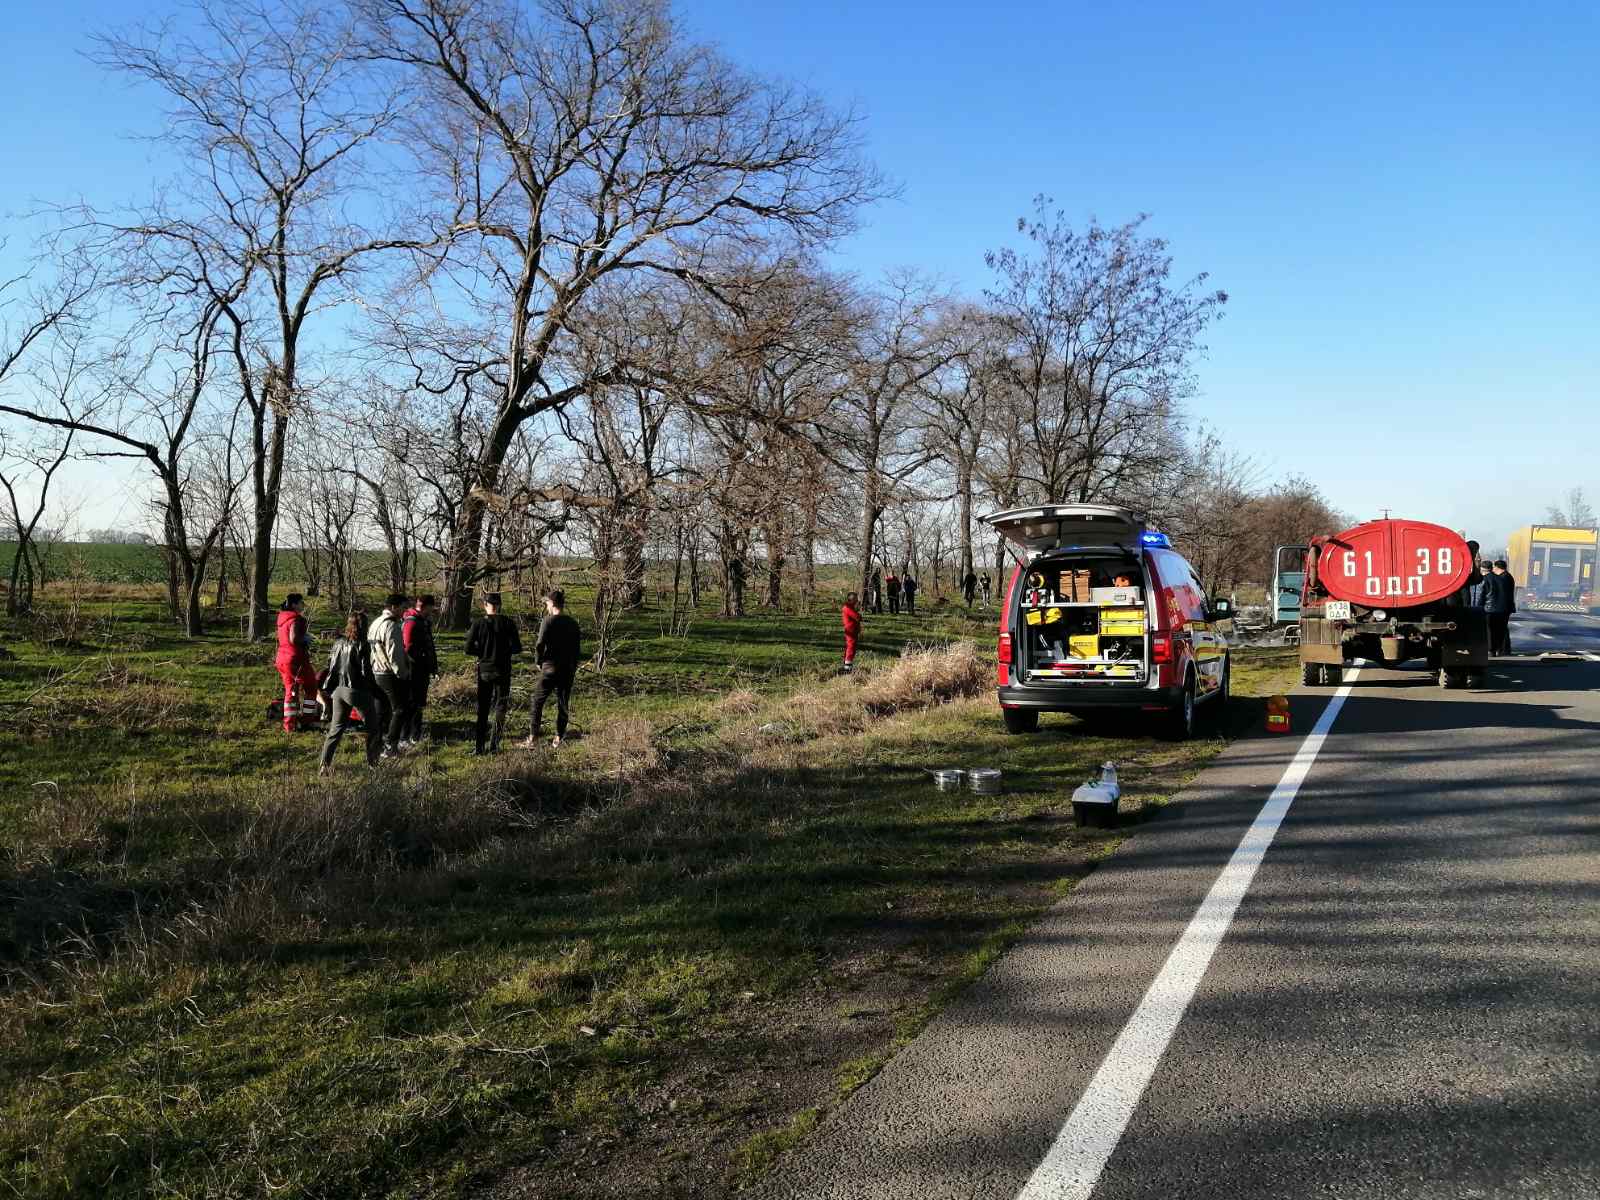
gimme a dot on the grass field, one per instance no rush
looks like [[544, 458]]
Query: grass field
[[643, 965]]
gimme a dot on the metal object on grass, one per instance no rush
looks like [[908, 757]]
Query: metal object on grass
[[984, 780]]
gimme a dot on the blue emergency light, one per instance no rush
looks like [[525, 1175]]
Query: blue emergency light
[[1151, 537]]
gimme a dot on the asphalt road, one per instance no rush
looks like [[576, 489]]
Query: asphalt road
[[1406, 1004]]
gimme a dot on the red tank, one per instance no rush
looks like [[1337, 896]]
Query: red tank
[[1393, 564]]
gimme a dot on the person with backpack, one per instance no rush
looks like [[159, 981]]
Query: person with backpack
[[892, 586], [294, 660], [558, 650], [391, 668], [493, 641], [348, 684], [850, 615], [417, 633]]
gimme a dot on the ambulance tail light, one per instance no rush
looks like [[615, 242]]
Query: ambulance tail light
[[1160, 648], [1004, 653]]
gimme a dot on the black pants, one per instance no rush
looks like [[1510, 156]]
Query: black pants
[[911, 604], [557, 682], [894, 602], [419, 701], [494, 693], [344, 699], [397, 694], [1499, 633]]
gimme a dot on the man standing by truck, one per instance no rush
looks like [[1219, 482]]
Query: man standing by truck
[[1499, 602]]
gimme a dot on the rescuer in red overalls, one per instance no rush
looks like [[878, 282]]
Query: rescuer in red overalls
[[850, 615], [294, 659]]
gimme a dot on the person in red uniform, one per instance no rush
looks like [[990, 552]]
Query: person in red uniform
[[294, 659], [850, 614]]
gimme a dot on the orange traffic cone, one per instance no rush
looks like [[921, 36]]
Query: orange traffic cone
[[1278, 714]]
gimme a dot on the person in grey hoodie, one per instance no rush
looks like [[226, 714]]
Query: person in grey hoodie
[[391, 669]]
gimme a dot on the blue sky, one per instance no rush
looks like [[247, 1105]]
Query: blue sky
[[1403, 202]]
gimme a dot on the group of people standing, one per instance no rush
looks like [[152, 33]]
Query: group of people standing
[[901, 591], [381, 669], [1495, 591]]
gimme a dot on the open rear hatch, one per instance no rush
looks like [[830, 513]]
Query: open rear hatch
[[1082, 618], [1067, 527]]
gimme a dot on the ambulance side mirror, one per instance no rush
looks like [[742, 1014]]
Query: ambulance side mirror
[[1221, 608]]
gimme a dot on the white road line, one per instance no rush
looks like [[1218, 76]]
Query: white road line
[[1549, 637], [1073, 1164]]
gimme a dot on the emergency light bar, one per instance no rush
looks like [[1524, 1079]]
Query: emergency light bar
[[1151, 537]]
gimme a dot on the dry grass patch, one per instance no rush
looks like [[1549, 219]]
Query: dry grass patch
[[111, 693]]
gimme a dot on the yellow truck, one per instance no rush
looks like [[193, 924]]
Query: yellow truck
[[1554, 567]]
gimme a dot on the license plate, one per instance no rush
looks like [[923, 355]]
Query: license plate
[[1336, 610]]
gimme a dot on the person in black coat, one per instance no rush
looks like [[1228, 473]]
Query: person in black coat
[[348, 684], [493, 641], [1499, 602], [969, 587], [908, 589], [558, 650]]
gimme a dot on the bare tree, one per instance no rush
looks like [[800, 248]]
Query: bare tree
[[144, 399], [1575, 513], [271, 115], [39, 463], [583, 140], [900, 347], [962, 400], [1101, 342]]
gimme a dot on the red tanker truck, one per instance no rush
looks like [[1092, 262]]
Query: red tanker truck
[[1391, 591]]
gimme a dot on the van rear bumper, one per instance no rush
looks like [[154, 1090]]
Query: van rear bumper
[[1068, 698]]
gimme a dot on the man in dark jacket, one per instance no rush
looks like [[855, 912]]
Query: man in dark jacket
[[969, 586], [493, 641], [892, 586], [558, 650], [416, 632], [875, 592], [908, 589], [1500, 601]]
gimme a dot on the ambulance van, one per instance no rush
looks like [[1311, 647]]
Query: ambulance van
[[1101, 614]]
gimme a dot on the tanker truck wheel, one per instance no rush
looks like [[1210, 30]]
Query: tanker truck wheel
[[1311, 674]]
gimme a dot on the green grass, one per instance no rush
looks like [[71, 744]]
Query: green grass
[[649, 963]]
